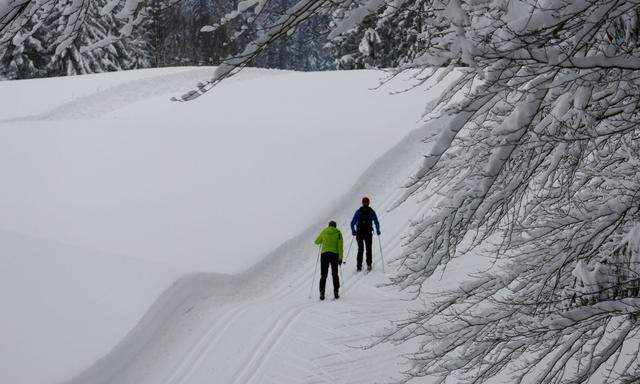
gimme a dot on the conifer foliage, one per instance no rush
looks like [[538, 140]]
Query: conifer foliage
[[68, 37]]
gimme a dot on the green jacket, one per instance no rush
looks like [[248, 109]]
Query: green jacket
[[331, 240]]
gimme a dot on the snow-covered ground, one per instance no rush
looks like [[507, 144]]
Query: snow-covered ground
[[125, 171], [111, 193]]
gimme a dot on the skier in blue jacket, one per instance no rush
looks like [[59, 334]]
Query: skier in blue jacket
[[362, 229]]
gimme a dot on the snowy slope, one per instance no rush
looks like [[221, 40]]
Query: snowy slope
[[261, 327], [209, 186]]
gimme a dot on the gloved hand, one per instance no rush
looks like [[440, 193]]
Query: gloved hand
[[353, 233], [378, 232]]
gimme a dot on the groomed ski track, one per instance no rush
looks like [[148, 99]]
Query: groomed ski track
[[261, 326]]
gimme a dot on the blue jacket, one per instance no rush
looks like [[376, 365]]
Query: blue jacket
[[362, 219]]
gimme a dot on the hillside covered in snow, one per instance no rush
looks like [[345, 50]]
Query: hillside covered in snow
[[113, 195]]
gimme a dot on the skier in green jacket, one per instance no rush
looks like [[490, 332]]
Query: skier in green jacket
[[331, 254]]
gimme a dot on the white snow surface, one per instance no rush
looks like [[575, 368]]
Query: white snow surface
[[114, 197], [211, 185]]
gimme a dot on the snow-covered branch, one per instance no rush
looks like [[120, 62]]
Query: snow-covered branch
[[292, 18]]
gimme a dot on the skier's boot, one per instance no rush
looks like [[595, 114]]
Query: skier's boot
[[368, 267], [321, 295], [336, 295]]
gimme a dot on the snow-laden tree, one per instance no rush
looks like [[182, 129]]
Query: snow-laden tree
[[158, 30], [57, 37], [67, 37], [17, 15], [533, 163], [389, 37]]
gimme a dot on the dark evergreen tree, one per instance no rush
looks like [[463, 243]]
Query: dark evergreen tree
[[64, 37], [158, 27], [394, 35]]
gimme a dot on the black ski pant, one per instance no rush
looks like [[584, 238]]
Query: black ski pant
[[364, 239], [326, 259]]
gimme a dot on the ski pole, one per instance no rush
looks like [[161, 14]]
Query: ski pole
[[348, 250], [315, 269], [381, 256]]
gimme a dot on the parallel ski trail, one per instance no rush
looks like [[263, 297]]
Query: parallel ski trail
[[266, 345], [195, 356], [254, 363], [199, 351], [260, 356]]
